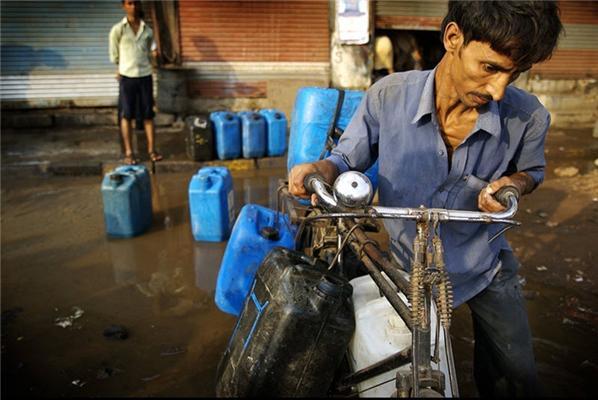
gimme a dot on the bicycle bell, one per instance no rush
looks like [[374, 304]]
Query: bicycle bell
[[353, 189]]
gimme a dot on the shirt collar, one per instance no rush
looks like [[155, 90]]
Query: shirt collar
[[488, 119], [125, 21], [426, 101]]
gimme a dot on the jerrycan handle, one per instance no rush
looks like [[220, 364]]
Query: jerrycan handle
[[117, 178]]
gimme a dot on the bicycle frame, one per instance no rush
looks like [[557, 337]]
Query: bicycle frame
[[427, 274]]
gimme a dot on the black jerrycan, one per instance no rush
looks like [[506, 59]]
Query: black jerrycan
[[199, 139], [293, 331]]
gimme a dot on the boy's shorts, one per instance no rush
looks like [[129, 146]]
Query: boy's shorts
[[137, 96]]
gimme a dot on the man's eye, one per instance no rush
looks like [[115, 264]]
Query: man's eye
[[489, 68]]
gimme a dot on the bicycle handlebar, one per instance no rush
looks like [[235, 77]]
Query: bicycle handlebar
[[508, 196]]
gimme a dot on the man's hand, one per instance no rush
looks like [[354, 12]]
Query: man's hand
[[522, 181], [117, 76], [298, 173]]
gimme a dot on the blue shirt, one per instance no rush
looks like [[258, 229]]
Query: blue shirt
[[396, 123]]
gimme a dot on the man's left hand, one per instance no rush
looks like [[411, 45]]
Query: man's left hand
[[486, 200]]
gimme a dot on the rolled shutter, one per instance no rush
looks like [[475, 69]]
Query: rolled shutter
[[236, 47], [417, 15], [577, 54], [57, 52], [294, 31]]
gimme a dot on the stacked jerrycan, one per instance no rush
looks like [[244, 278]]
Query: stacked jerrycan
[[211, 204], [127, 198], [276, 131], [199, 139], [316, 113], [227, 134], [294, 330], [253, 134], [380, 333], [257, 230]]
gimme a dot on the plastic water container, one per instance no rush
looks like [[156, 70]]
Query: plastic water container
[[379, 333], [227, 134], [294, 330], [254, 234], [253, 134], [199, 139], [127, 198], [211, 204], [276, 131], [313, 114]]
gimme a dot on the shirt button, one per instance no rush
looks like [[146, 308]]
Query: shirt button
[[440, 152]]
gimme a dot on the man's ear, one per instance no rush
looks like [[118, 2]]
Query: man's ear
[[452, 38]]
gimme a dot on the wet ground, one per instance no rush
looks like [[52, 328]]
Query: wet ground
[[57, 263]]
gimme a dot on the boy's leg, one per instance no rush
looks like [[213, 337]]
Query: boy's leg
[[147, 110], [504, 364], [125, 128], [127, 98]]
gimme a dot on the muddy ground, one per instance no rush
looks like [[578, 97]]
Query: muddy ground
[[57, 262]]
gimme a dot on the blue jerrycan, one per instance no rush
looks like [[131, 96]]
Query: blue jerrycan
[[211, 204], [127, 198], [256, 232], [313, 115], [253, 134], [227, 134], [276, 131]]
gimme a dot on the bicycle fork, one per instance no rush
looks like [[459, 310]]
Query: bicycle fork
[[427, 272]]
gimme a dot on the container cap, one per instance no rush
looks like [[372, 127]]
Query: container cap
[[270, 233]]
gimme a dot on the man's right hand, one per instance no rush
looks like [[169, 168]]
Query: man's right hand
[[325, 168], [117, 76]]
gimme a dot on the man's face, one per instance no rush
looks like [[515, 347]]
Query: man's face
[[132, 8], [480, 74]]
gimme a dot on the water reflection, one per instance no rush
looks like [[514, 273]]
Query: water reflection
[[206, 261], [124, 261]]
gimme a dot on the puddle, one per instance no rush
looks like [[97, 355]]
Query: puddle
[[160, 286]]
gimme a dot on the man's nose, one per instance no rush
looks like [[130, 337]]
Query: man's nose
[[497, 86]]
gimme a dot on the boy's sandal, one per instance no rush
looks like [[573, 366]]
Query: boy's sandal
[[155, 156], [129, 159]]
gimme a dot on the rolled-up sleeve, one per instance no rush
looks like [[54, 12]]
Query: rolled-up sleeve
[[357, 148], [113, 45], [529, 157]]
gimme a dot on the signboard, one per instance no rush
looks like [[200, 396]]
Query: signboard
[[353, 21]]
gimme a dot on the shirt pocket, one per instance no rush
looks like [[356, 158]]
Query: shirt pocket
[[466, 194]]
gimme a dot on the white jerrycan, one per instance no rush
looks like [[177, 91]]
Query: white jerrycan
[[379, 333]]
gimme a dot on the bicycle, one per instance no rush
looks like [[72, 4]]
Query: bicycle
[[347, 215]]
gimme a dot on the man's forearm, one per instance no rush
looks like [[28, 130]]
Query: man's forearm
[[523, 181]]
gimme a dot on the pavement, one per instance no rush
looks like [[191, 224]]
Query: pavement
[[94, 150]]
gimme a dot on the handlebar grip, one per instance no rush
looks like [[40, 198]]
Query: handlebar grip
[[308, 182], [503, 194]]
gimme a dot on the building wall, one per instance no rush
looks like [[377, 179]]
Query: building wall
[[240, 55]]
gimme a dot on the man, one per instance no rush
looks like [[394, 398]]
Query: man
[[132, 48], [450, 138]]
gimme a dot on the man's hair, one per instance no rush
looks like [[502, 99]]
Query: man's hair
[[525, 31]]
